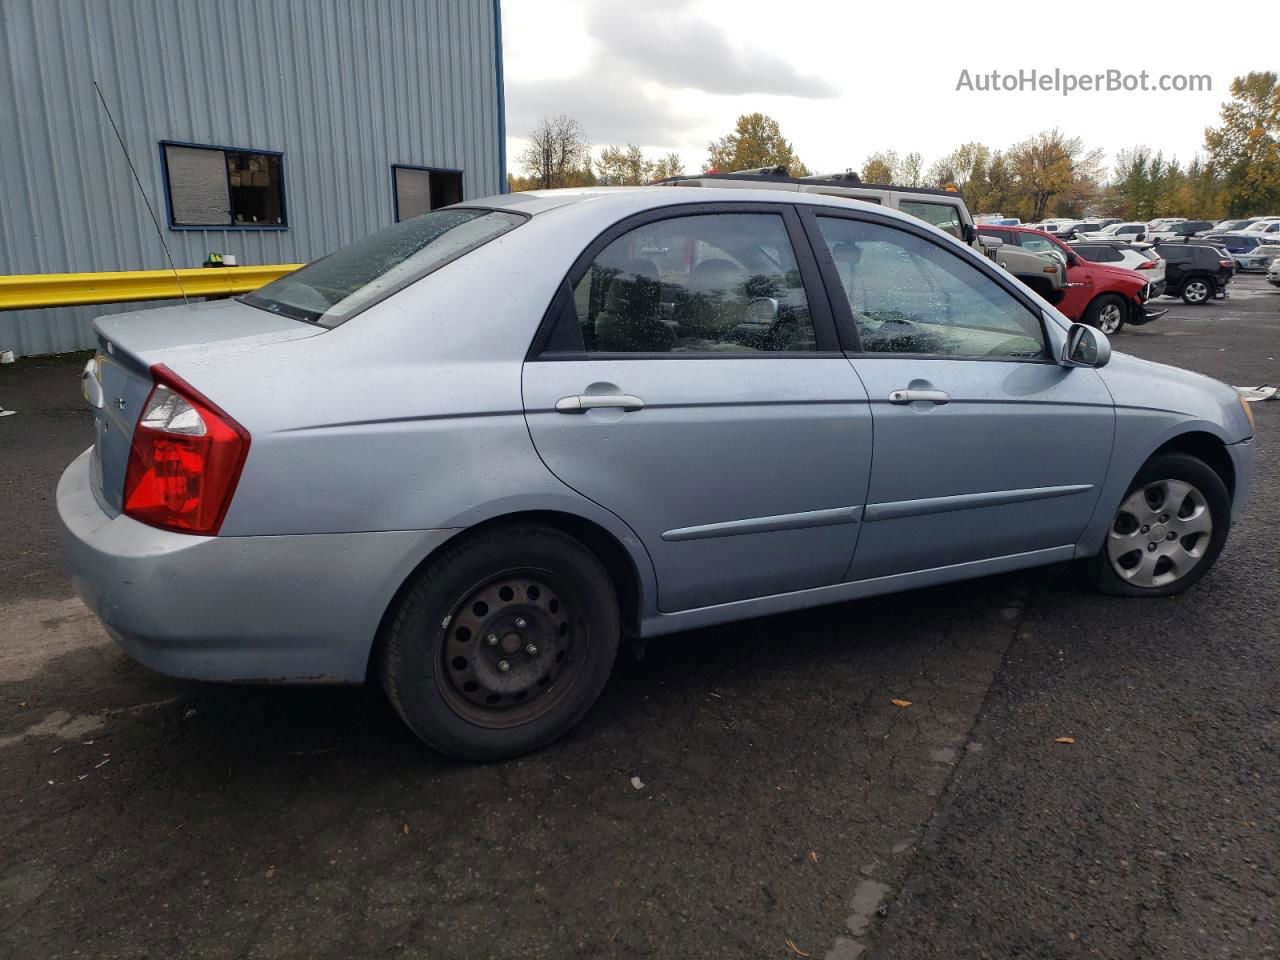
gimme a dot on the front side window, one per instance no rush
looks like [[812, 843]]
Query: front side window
[[944, 216], [212, 187], [337, 287], [710, 283], [1131, 229], [909, 296]]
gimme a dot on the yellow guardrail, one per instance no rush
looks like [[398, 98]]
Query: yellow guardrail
[[32, 290]]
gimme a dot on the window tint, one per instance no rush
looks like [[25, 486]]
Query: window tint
[[722, 283], [944, 216], [211, 187], [419, 191], [337, 287], [1093, 254], [1131, 229], [908, 295]]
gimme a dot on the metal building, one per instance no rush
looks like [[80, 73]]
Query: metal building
[[271, 130]]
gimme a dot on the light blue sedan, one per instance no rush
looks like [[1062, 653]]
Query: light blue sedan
[[473, 453]]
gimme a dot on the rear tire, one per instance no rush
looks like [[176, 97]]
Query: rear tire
[[1197, 291], [501, 643], [1167, 532], [1107, 313]]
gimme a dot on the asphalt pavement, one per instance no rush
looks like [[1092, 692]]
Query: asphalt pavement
[[745, 791]]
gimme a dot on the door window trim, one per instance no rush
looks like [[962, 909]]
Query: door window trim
[[847, 328], [555, 337]]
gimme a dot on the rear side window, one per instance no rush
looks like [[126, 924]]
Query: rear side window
[[944, 216], [713, 283], [337, 287], [1092, 254]]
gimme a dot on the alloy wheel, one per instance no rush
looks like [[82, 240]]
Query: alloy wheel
[[1197, 291], [1160, 533], [1110, 318]]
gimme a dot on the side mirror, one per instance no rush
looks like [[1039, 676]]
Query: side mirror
[[990, 243], [1086, 347], [762, 310], [1073, 260]]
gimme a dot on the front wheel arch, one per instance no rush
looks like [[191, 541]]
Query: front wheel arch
[[1207, 448]]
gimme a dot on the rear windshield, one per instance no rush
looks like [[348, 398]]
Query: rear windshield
[[337, 287]]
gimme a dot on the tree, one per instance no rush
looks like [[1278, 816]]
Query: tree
[[880, 167], [885, 166], [669, 166], [756, 141], [1245, 150], [910, 172], [623, 167], [1051, 166], [963, 168], [557, 153]]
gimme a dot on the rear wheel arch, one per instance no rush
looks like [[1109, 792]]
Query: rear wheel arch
[[602, 543]]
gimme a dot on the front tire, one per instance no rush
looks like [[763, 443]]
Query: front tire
[[501, 643], [1106, 313], [1196, 291], [1168, 531]]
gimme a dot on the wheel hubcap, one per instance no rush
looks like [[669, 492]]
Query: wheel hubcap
[[508, 650], [1160, 533], [1109, 318], [1197, 291]]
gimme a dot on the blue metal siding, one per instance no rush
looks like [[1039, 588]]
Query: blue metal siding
[[343, 89]]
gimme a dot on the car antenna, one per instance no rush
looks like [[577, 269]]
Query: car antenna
[[159, 232]]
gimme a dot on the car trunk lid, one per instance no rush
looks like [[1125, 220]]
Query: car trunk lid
[[117, 381]]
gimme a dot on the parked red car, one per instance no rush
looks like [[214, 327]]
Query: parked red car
[[1098, 294]]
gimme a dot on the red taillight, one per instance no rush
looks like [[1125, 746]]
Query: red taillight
[[1148, 265], [185, 459], [1227, 263]]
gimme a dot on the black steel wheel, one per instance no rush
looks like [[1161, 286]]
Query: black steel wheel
[[509, 656], [501, 643]]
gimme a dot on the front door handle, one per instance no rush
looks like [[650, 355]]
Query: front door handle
[[598, 401], [911, 396]]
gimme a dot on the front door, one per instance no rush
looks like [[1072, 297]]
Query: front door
[[694, 387], [984, 446]]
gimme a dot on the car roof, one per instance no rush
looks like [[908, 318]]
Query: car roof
[[623, 201]]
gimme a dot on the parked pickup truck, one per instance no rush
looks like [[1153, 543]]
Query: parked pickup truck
[[944, 209], [1099, 294]]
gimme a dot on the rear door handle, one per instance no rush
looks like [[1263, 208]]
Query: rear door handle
[[604, 401], [911, 396]]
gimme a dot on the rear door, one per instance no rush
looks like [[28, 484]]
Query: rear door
[[984, 446], [689, 380]]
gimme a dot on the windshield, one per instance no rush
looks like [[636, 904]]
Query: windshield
[[337, 287]]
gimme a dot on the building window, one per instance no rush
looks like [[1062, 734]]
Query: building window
[[419, 190], [212, 187]]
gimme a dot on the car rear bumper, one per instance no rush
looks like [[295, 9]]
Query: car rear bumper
[[282, 608]]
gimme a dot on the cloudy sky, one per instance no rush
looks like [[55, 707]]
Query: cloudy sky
[[845, 79]]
